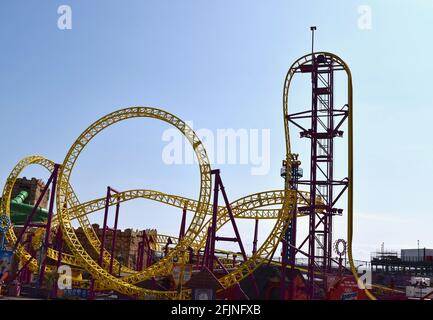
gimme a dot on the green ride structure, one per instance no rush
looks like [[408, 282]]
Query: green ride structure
[[21, 210]]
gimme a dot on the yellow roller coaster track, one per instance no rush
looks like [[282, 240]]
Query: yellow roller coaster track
[[81, 211], [244, 208], [293, 69], [70, 209], [163, 266], [65, 214], [73, 201]]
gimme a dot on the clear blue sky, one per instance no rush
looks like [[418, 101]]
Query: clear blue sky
[[220, 64]]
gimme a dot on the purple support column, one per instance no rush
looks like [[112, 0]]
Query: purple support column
[[256, 231], [211, 249], [48, 225], [232, 218], [182, 225], [104, 229], [212, 234], [113, 242]]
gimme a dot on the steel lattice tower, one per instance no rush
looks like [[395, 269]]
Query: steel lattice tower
[[325, 122]]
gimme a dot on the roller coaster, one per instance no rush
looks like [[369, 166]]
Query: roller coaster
[[196, 243]]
